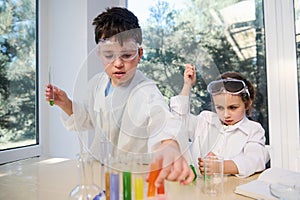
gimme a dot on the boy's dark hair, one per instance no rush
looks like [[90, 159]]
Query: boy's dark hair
[[117, 20]]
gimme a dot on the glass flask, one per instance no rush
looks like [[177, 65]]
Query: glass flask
[[86, 189]]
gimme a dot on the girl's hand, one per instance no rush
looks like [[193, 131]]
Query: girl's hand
[[201, 162], [190, 75], [189, 79]]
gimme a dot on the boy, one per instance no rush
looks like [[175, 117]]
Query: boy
[[125, 106]]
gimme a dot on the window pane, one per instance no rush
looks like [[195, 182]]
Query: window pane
[[216, 36], [18, 53]]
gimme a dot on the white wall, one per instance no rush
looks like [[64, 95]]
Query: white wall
[[66, 37]]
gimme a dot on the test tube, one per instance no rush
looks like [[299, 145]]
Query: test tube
[[154, 171], [107, 185], [127, 185], [107, 175], [194, 171], [138, 177], [161, 189], [50, 73], [114, 186], [139, 187]]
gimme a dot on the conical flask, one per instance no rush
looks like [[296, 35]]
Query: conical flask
[[86, 189]]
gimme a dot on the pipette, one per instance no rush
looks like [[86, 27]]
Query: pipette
[[50, 73]]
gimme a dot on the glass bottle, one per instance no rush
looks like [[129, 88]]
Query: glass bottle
[[86, 189]]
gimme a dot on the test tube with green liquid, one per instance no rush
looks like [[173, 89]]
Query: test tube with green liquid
[[50, 73], [194, 171], [127, 185]]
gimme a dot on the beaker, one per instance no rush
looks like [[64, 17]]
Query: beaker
[[86, 189]]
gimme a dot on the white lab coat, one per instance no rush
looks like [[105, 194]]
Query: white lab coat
[[134, 117], [244, 142]]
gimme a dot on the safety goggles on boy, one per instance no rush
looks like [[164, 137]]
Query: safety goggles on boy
[[231, 86], [109, 51]]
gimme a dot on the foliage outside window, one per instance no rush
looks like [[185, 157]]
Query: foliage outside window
[[18, 53], [222, 35]]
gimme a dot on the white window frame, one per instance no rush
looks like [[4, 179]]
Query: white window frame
[[282, 84], [19, 153]]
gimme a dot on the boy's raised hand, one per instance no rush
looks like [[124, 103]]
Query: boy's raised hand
[[60, 98]]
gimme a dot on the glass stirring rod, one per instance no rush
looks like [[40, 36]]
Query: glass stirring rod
[[50, 73]]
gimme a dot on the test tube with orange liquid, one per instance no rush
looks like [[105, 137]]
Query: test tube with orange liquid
[[154, 172]]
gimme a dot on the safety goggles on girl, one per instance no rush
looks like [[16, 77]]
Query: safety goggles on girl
[[231, 86], [109, 51]]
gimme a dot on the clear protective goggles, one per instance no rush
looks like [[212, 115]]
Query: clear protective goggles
[[231, 86], [109, 51]]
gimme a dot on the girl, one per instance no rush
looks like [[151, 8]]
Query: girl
[[227, 132]]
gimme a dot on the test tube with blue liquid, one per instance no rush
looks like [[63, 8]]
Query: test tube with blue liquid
[[50, 73], [114, 179]]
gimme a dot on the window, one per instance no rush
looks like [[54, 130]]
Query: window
[[216, 36], [297, 32], [18, 79]]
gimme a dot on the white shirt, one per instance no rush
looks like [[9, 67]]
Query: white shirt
[[244, 142], [134, 117]]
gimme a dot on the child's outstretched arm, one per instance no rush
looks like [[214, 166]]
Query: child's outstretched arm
[[172, 164], [189, 79], [60, 98]]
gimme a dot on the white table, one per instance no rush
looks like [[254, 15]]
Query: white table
[[54, 178]]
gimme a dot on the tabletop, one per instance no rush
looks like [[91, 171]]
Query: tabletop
[[54, 178]]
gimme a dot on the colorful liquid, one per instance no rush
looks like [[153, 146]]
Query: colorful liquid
[[154, 171], [139, 188], [51, 102], [107, 186], [194, 171], [161, 189], [114, 186], [126, 186]]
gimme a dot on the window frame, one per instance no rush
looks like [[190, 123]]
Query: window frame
[[282, 84], [34, 150]]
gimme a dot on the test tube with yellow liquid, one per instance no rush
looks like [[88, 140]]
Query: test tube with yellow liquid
[[139, 187], [139, 177]]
